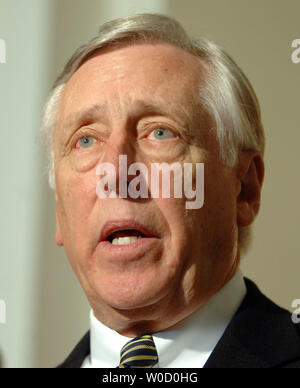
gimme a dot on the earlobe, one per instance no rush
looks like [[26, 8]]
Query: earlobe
[[250, 173]]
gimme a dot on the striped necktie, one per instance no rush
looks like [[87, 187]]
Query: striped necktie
[[140, 352]]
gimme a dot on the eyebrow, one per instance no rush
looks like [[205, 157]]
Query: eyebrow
[[81, 116], [140, 107]]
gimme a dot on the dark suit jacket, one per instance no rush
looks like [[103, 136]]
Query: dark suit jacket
[[260, 335]]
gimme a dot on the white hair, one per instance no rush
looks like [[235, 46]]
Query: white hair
[[226, 93]]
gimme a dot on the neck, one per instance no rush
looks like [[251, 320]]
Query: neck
[[157, 317]]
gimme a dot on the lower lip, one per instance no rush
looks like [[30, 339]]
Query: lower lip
[[127, 251]]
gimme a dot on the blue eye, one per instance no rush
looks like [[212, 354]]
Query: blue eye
[[85, 142], [162, 133]]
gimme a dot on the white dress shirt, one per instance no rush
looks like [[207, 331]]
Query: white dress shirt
[[188, 344]]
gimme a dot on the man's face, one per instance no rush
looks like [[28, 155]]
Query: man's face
[[112, 106]]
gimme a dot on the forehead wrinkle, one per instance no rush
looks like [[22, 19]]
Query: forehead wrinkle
[[129, 106], [137, 108], [77, 118], [120, 101]]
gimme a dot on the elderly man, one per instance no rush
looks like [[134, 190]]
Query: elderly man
[[162, 278]]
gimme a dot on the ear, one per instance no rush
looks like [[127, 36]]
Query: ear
[[250, 173], [58, 236]]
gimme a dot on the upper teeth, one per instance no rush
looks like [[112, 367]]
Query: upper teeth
[[125, 240]]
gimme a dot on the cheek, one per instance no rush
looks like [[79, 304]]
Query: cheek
[[220, 216], [179, 226], [219, 188], [219, 212], [76, 199]]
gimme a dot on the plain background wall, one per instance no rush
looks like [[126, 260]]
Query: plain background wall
[[47, 311], [24, 83]]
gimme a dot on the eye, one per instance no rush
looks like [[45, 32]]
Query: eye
[[85, 142], [162, 133]]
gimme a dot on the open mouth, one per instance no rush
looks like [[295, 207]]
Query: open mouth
[[125, 236]]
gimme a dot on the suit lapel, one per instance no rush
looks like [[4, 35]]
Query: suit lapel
[[260, 335], [79, 353]]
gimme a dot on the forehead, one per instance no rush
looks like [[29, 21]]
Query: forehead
[[142, 74]]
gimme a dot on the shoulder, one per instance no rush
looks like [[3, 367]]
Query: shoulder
[[78, 354], [261, 335], [267, 312]]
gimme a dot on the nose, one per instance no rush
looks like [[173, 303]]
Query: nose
[[120, 152], [119, 143]]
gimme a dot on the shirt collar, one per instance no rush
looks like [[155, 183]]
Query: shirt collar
[[187, 344]]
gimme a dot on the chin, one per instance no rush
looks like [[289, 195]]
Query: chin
[[129, 295], [137, 303]]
